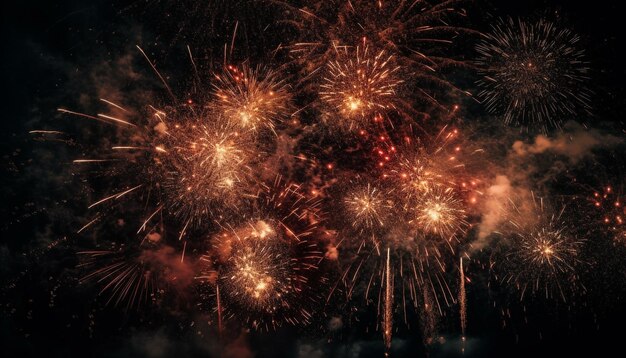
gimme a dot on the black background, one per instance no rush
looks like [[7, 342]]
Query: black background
[[49, 46]]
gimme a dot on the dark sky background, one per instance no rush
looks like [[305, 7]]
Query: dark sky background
[[57, 53]]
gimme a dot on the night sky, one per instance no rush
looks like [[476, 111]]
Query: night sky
[[68, 54]]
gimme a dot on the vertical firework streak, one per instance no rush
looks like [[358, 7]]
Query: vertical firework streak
[[462, 302], [388, 314], [219, 309]]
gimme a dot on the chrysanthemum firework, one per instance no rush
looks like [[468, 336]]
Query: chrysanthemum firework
[[359, 85], [417, 36], [207, 169], [252, 98], [534, 74], [540, 252], [267, 263]]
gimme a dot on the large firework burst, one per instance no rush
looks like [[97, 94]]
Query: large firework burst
[[207, 169], [413, 35], [534, 74], [267, 265]]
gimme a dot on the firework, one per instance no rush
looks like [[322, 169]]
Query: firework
[[267, 264], [368, 207], [399, 245], [207, 168], [610, 203], [541, 252], [197, 167], [420, 167], [253, 99], [128, 276], [533, 74], [358, 86], [439, 212], [462, 303], [414, 37]]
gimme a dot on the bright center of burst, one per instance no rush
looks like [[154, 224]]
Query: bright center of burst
[[263, 229], [435, 213], [245, 117], [354, 103], [547, 251], [220, 151]]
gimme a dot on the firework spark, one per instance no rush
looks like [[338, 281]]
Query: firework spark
[[533, 74], [610, 203]]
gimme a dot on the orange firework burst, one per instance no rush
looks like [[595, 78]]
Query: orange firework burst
[[266, 265], [207, 167], [358, 85], [368, 206], [541, 252], [253, 99], [439, 212], [420, 168]]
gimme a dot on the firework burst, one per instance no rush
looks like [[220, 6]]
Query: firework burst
[[411, 35], [439, 212], [368, 206], [267, 266], [207, 169], [534, 74], [359, 86], [252, 98], [541, 253]]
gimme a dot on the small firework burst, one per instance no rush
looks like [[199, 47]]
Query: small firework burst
[[534, 74], [267, 265], [258, 268], [541, 252], [252, 98], [359, 85], [439, 212], [368, 207], [420, 168]]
